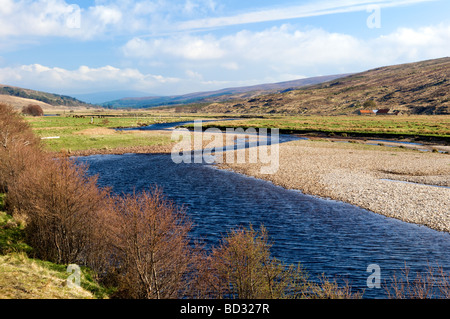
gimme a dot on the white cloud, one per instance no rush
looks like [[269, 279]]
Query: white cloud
[[184, 47], [63, 19], [102, 18], [83, 79], [42, 17], [417, 44], [287, 50], [199, 61]]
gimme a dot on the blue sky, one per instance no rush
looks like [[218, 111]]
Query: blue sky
[[167, 47]]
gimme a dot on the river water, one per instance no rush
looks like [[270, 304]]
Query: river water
[[325, 236]]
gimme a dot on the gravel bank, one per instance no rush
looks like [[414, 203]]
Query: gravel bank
[[371, 177]]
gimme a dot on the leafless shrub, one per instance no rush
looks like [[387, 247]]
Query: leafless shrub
[[18, 145], [33, 110], [154, 246], [432, 284], [241, 267], [61, 203]]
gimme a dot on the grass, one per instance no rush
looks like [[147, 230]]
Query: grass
[[25, 278], [77, 134], [105, 141], [398, 126], [22, 277], [12, 235], [80, 134]]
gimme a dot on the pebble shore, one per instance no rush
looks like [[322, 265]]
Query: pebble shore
[[408, 185]]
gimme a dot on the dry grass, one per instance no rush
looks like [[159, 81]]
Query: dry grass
[[96, 131], [24, 278]]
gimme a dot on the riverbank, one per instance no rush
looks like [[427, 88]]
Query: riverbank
[[371, 177], [364, 175]]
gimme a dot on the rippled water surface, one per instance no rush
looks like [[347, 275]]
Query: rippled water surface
[[325, 236]]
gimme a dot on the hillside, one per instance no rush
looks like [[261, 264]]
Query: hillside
[[19, 97], [413, 88], [218, 95]]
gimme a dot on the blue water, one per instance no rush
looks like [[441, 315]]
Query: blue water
[[325, 236]]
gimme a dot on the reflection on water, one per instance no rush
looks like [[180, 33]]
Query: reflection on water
[[325, 236]]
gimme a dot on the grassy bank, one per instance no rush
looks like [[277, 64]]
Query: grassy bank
[[432, 126], [99, 133], [22, 277]]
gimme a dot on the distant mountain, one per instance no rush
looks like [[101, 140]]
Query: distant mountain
[[19, 97], [414, 88], [218, 95], [102, 97]]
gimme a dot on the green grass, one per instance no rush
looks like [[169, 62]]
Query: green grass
[[99, 141], [433, 126], [80, 134], [12, 235], [23, 277]]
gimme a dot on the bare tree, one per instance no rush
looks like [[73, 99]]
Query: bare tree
[[18, 145], [154, 244], [33, 110], [61, 203], [242, 267]]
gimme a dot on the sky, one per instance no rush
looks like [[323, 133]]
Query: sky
[[171, 47]]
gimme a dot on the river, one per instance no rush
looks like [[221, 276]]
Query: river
[[326, 236]]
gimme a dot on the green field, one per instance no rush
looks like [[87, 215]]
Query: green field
[[76, 134], [397, 126], [80, 134]]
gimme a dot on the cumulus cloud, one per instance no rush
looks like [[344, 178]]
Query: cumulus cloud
[[185, 47], [206, 62], [287, 50], [107, 17], [41, 17], [415, 44], [58, 80], [203, 60]]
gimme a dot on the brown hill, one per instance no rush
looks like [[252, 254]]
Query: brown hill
[[413, 88], [20, 97]]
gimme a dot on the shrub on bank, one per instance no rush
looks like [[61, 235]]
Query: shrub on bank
[[33, 110], [154, 252], [61, 204], [18, 145]]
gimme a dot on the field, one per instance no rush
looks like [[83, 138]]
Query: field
[[79, 133], [396, 126], [99, 134]]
